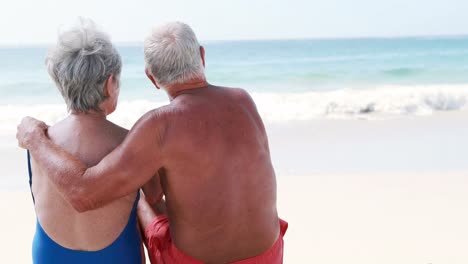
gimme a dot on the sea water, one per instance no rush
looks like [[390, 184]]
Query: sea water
[[289, 79]]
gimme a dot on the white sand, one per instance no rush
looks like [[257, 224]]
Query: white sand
[[379, 218], [16, 227], [375, 218]]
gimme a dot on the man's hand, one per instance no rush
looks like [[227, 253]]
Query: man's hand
[[30, 131]]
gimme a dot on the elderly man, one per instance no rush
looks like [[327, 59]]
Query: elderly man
[[208, 149]]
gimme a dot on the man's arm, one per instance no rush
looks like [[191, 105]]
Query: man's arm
[[121, 172]]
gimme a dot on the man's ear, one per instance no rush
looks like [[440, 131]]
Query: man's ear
[[148, 74], [202, 54]]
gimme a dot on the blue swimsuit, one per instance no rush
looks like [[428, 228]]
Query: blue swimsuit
[[125, 249]]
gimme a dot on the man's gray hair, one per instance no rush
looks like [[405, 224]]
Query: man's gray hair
[[172, 54], [80, 63]]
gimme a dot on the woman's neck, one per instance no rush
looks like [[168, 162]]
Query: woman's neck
[[88, 115]]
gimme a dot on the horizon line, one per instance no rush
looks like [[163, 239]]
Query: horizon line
[[139, 43]]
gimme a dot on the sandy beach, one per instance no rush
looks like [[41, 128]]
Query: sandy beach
[[385, 218], [353, 191]]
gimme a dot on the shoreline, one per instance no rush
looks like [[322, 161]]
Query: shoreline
[[437, 143]]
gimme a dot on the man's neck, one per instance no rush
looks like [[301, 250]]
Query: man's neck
[[177, 89]]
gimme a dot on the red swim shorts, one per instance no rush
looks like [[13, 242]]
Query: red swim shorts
[[162, 250]]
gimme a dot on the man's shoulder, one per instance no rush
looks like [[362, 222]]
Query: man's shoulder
[[238, 93], [232, 90], [243, 97]]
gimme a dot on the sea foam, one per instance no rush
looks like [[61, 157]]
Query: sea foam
[[382, 102]]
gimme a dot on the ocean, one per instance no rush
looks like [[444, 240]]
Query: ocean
[[290, 80]]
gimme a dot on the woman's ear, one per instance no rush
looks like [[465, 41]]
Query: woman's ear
[[109, 86]]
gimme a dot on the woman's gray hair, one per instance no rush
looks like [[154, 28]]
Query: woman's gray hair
[[172, 54], [80, 63]]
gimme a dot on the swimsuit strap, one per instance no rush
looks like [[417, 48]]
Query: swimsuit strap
[[30, 175], [135, 204]]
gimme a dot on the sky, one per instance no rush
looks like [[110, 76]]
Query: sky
[[25, 22]]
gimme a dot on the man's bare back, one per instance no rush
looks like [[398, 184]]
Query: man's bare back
[[218, 179]]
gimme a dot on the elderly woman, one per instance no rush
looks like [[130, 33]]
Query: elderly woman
[[86, 68]]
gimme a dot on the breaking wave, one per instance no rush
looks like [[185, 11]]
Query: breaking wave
[[381, 102]]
